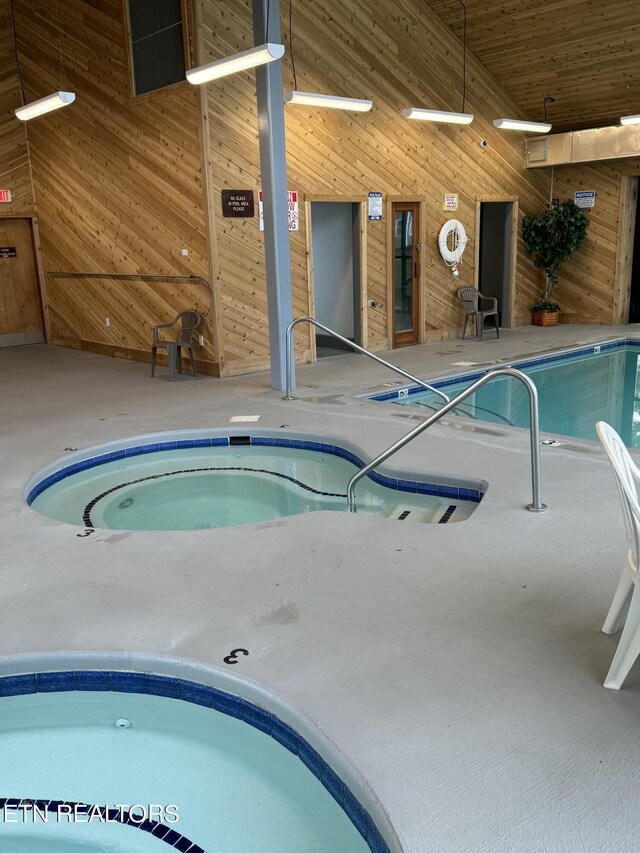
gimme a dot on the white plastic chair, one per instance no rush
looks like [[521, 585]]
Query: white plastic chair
[[627, 477]]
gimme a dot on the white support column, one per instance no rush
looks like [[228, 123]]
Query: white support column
[[273, 167]]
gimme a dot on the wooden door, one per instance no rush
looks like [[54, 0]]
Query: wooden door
[[20, 305], [406, 272]]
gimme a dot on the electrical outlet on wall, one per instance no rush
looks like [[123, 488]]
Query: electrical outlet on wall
[[107, 321], [201, 340], [185, 252]]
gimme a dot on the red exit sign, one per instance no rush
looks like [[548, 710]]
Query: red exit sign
[[5, 196]]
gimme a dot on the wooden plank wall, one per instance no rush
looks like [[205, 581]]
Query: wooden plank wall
[[582, 52], [587, 283], [118, 181], [15, 173], [399, 54]]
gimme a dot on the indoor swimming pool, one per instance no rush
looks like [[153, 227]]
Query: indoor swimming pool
[[575, 389], [191, 482], [127, 762]]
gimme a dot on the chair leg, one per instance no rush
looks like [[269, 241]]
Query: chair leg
[[495, 317], [466, 320], [628, 647], [479, 326], [153, 360], [171, 360], [193, 361], [179, 358], [623, 593]]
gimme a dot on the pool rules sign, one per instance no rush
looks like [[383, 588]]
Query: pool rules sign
[[292, 207], [585, 198]]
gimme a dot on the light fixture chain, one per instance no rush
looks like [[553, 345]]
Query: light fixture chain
[[464, 57], [63, 76], [293, 62], [15, 48]]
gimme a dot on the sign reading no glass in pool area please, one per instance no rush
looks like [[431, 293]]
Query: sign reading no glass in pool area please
[[237, 203]]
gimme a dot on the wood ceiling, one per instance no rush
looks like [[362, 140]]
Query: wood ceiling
[[584, 53]]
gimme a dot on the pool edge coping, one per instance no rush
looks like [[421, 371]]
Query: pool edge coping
[[396, 479], [545, 356]]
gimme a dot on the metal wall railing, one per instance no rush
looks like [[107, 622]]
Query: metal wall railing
[[190, 279], [534, 433], [290, 361]]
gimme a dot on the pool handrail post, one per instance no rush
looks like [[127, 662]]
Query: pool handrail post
[[290, 382], [534, 430], [290, 360]]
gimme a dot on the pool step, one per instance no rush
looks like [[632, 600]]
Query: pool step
[[401, 513], [447, 514]]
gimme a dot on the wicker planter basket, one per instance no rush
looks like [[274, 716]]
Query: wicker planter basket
[[545, 318]]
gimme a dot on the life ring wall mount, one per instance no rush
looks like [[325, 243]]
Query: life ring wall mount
[[452, 241]]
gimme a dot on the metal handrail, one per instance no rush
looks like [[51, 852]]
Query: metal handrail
[[290, 360], [534, 431], [197, 279]]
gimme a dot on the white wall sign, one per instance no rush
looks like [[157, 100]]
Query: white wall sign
[[450, 201], [294, 216], [293, 211], [375, 206], [585, 198]]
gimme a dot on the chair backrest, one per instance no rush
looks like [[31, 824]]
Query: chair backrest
[[626, 476], [469, 295], [189, 322]]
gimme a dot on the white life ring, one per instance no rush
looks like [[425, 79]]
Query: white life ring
[[454, 229]]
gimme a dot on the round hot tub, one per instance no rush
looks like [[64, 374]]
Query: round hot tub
[[129, 762]]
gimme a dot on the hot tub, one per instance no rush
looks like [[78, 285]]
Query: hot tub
[[207, 479], [129, 762]]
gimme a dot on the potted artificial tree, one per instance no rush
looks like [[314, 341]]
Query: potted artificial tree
[[552, 237]]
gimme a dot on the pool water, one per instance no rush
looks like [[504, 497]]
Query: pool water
[[573, 394], [209, 487], [234, 788]]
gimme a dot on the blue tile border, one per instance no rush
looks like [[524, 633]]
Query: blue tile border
[[123, 453], [414, 487], [119, 681], [18, 685], [592, 349]]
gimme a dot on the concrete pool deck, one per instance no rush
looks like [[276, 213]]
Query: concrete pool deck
[[457, 667]]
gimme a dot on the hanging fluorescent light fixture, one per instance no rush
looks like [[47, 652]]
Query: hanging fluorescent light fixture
[[259, 55], [515, 124], [45, 105], [437, 115], [318, 99], [528, 126], [444, 116], [334, 102], [630, 119]]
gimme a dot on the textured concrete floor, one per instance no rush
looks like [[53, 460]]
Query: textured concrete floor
[[455, 669]]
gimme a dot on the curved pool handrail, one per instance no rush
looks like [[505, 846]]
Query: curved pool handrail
[[290, 360], [534, 432]]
